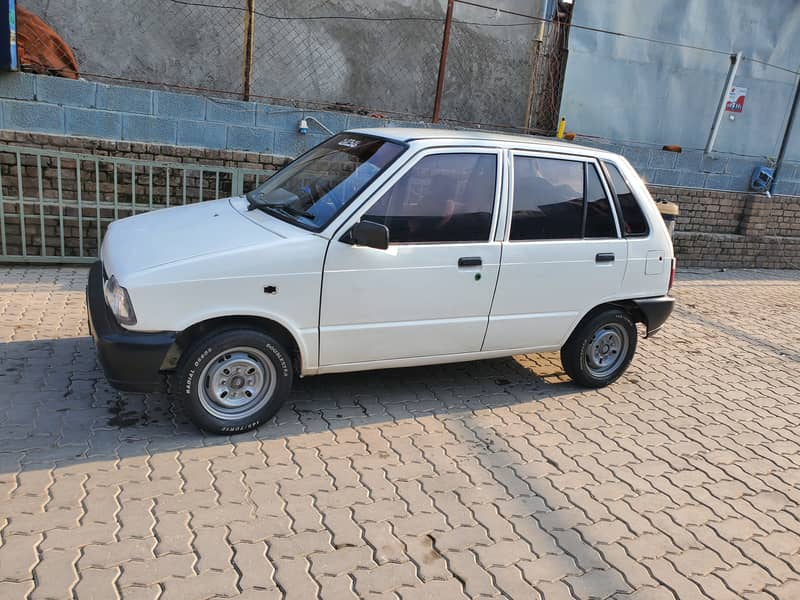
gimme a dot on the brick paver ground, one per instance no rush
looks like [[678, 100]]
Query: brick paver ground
[[487, 479]]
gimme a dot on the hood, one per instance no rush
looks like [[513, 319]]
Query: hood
[[175, 234]]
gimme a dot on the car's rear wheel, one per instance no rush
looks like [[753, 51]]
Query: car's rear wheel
[[600, 349], [234, 380]]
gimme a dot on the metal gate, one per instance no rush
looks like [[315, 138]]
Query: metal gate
[[55, 206]]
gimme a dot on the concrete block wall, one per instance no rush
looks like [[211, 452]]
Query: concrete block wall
[[53, 105], [692, 169]]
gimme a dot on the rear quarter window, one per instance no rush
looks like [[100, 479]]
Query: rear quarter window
[[633, 222], [599, 220]]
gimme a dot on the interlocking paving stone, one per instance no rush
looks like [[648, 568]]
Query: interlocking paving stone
[[478, 480]]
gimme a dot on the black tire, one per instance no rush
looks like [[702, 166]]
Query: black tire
[[591, 357], [249, 367]]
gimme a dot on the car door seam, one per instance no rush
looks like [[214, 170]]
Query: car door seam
[[494, 292], [504, 213], [319, 307]]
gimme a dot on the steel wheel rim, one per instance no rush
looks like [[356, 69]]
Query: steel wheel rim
[[606, 350], [237, 383]]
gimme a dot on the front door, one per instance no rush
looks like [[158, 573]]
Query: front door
[[430, 292], [564, 253]]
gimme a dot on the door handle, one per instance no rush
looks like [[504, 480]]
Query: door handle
[[470, 261], [604, 257]]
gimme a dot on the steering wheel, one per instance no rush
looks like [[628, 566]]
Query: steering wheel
[[321, 187]]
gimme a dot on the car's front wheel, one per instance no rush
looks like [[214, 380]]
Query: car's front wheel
[[600, 349], [234, 380]]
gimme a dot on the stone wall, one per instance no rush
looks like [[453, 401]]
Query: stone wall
[[705, 210], [719, 250], [729, 229], [144, 150]]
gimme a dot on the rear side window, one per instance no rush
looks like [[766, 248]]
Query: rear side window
[[558, 199], [633, 220], [442, 198], [548, 199]]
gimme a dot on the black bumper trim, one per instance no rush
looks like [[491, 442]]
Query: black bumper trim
[[130, 360], [655, 311]]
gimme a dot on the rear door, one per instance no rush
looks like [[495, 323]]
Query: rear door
[[563, 254]]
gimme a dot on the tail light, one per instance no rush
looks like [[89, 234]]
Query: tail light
[[672, 273]]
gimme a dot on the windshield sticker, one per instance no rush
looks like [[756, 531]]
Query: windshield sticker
[[350, 143]]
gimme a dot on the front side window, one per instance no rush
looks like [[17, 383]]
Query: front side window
[[633, 220], [442, 198], [312, 190]]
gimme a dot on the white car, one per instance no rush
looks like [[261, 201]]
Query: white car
[[384, 248]]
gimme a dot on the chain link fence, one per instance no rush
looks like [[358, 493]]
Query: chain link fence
[[372, 56], [504, 70], [367, 58]]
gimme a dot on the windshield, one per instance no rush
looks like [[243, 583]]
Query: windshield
[[313, 189]]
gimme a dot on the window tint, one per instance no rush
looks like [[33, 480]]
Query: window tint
[[633, 221], [599, 218], [314, 188], [442, 198], [548, 199]]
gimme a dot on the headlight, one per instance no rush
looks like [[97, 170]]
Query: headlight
[[119, 302]]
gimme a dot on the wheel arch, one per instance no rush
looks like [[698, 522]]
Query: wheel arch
[[628, 306], [188, 336], [579, 352]]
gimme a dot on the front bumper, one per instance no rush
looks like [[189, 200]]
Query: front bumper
[[130, 360], [655, 311]]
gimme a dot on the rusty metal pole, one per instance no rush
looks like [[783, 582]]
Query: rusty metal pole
[[448, 21], [536, 50], [536, 57], [247, 63]]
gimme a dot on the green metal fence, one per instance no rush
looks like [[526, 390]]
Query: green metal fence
[[55, 206]]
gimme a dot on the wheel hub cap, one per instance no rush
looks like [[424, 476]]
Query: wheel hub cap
[[606, 350], [237, 383]]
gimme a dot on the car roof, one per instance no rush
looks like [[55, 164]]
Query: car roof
[[459, 137]]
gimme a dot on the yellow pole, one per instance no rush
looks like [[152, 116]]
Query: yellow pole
[[562, 125]]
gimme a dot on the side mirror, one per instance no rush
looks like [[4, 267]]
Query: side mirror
[[372, 235]]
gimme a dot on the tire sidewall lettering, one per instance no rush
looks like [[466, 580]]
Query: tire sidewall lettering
[[239, 428], [278, 356], [198, 359], [195, 367]]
